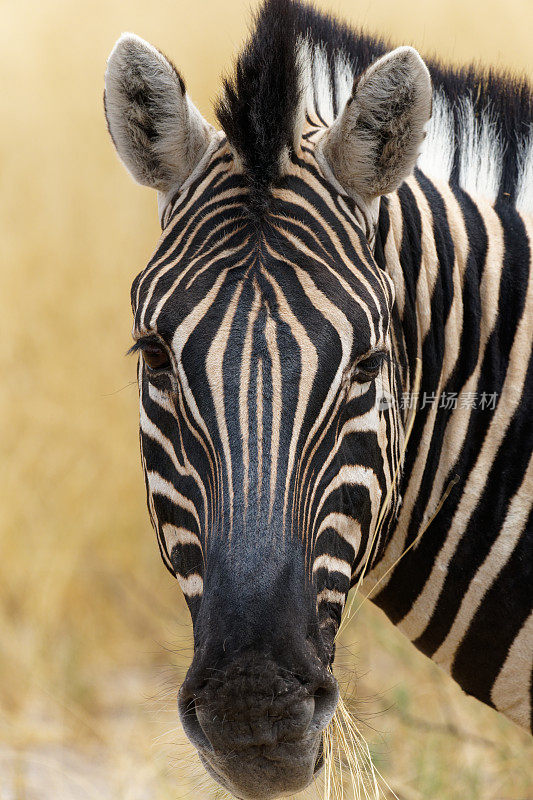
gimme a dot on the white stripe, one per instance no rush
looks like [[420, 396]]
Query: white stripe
[[511, 693], [331, 596], [344, 526], [354, 475], [192, 586], [164, 488], [174, 536], [332, 565]]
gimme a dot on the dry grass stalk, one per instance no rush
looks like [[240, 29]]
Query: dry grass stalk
[[346, 751]]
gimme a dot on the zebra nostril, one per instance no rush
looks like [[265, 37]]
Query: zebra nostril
[[191, 724], [326, 699]]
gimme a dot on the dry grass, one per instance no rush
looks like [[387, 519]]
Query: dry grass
[[94, 634]]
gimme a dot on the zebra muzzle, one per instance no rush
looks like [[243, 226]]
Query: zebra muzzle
[[257, 726]]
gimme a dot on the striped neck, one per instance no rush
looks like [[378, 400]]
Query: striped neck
[[461, 271]]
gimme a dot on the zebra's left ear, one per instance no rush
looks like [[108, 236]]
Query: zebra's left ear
[[374, 143]]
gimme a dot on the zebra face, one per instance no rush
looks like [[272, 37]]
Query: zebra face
[[263, 327], [264, 352]]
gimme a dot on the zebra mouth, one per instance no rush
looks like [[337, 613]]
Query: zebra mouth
[[258, 731], [273, 785]]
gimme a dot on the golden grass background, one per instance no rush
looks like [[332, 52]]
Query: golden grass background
[[94, 635]]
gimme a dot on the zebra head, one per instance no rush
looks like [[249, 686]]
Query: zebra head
[[264, 326]]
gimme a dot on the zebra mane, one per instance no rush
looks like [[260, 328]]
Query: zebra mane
[[480, 136]]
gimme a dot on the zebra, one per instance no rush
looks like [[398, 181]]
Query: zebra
[[334, 341]]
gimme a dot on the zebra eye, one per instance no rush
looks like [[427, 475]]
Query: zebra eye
[[368, 368], [155, 357]]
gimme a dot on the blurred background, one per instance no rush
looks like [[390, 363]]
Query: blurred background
[[94, 634]]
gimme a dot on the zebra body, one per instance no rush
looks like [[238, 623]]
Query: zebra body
[[309, 281]]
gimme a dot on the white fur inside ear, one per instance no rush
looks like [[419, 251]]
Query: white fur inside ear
[[158, 132], [373, 145]]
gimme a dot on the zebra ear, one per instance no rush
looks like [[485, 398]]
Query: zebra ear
[[158, 132], [374, 143]]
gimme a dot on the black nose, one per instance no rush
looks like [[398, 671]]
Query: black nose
[[256, 704]]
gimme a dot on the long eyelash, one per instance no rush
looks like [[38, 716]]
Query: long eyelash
[[381, 354], [134, 348], [142, 342]]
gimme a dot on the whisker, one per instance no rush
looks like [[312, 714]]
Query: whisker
[[346, 751]]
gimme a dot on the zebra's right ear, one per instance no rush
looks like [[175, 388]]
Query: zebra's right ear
[[158, 132]]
